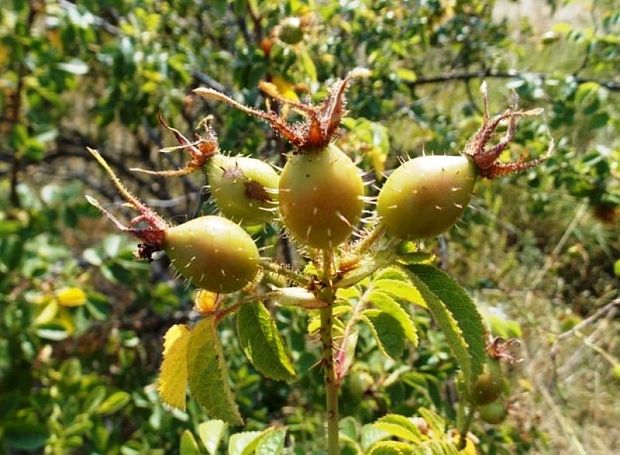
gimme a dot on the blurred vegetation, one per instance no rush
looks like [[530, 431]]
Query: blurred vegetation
[[82, 321]]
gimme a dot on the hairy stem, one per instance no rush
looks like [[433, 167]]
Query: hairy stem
[[269, 266], [327, 353], [374, 236]]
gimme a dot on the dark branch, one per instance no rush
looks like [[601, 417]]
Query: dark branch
[[510, 74]]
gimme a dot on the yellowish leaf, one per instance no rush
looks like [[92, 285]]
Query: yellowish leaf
[[469, 449], [47, 313], [66, 320], [285, 88], [71, 297], [173, 372]]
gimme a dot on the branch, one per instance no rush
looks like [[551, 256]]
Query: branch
[[509, 74]]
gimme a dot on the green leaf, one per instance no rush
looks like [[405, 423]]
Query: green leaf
[[262, 343], [113, 403], [189, 445], [391, 448], [208, 373], [271, 442], [210, 433], [308, 66], [243, 443], [387, 330], [371, 435], [400, 289], [387, 304], [435, 423], [25, 435], [94, 398], [406, 74], [457, 316], [400, 427]]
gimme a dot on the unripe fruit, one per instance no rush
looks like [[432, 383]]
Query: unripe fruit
[[321, 197], [212, 252], [487, 388], [493, 413], [245, 189], [290, 31], [426, 195]]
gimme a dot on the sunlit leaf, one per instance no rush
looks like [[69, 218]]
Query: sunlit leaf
[[71, 297], [208, 373], [172, 382], [261, 342], [457, 316], [211, 433]]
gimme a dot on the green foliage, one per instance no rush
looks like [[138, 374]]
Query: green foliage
[[456, 315], [261, 342], [208, 373]]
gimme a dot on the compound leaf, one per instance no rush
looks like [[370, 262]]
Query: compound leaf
[[400, 427], [208, 373], [262, 343], [457, 316], [387, 330]]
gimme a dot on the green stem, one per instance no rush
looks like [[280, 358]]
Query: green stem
[[374, 236], [469, 419], [327, 341]]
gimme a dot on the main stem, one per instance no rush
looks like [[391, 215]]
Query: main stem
[[331, 383]]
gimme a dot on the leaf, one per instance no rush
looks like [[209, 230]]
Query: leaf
[[435, 423], [371, 435], [25, 435], [307, 65], [208, 373], [457, 316], [241, 443], [71, 297], [262, 343], [52, 331], [74, 66], [406, 74], [285, 88], [391, 448], [400, 427], [113, 403], [387, 331], [400, 289], [271, 442], [189, 445], [172, 384], [210, 433], [387, 304]]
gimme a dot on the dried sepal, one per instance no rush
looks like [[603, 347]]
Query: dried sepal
[[200, 150], [147, 226], [320, 122], [486, 158]]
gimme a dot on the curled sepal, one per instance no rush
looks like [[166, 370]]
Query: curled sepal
[[485, 158], [320, 123], [147, 226], [208, 374], [200, 150]]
